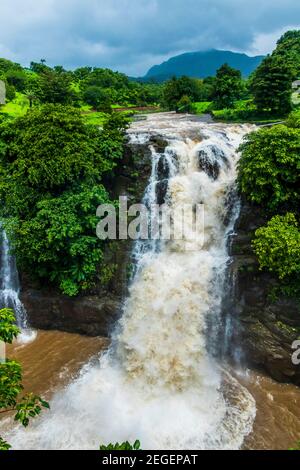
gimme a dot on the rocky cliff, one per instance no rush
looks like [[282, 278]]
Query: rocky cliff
[[263, 327]]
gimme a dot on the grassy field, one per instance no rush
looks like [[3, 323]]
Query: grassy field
[[202, 107], [16, 108], [20, 105]]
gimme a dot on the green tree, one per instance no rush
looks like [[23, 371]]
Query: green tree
[[17, 78], [51, 182], [271, 85], [176, 88], [277, 246], [97, 98], [288, 48], [11, 398], [10, 92], [54, 87], [227, 87], [269, 167], [185, 105]]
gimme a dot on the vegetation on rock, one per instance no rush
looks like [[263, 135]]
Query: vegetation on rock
[[269, 167], [51, 183], [277, 246]]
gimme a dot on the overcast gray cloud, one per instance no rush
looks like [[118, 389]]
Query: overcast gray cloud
[[132, 35]]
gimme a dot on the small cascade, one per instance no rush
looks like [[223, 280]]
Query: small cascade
[[10, 290]]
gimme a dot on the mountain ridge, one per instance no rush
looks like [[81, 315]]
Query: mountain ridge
[[201, 64]]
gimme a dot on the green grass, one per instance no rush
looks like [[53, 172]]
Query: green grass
[[96, 118], [16, 108], [244, 111], [202, 107], [296, 98]]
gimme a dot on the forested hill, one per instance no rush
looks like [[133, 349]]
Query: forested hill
[[203, 64]]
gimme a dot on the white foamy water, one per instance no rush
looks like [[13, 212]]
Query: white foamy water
[[158, 383], [10, 290]]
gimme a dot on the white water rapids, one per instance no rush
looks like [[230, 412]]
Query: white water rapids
[[158, 383]]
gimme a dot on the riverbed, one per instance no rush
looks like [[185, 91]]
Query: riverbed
[[55, 359]]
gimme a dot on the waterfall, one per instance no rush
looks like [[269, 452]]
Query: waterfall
[[10, 290], [158, 382]]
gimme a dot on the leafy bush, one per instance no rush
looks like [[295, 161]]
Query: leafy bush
[[124, 446], [185, 105], [51, 183], [177, 88], [58, 243], [27, 406], [97, 98], [269, 167], [294, 119], [241, 109], [277, 246]]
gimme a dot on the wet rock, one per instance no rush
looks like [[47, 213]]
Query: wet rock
[[163, 170], [159, 143], [161, 191], [89, 315], [211, 168], [265, 328], [211, 159]]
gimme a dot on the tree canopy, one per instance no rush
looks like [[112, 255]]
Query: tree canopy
[[227, 86], [269, 168], [271, 85], [51, 182]]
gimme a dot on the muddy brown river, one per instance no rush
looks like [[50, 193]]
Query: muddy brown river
[[54, 359]]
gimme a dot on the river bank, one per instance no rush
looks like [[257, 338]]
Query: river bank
[[159, 358], [55, 359]]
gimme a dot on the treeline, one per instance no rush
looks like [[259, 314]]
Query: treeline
[[100, 88], [266, 93]]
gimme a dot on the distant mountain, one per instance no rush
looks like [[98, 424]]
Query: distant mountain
[[202, 64]]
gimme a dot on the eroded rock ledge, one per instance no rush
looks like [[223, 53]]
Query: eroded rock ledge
[[264, 328]]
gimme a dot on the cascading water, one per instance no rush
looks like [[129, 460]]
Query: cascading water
[[158, 382], [10, 290]]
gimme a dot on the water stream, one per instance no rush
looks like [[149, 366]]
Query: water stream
[[10, 290]]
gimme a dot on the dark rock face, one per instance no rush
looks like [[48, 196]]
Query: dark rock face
[[94, 314], [159, 143], [263, 328], [210, 161], [161, 191]]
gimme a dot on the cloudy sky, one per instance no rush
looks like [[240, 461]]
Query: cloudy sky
[[132, 35]]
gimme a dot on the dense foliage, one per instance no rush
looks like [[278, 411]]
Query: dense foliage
[[51, 182], [269, 168], [54, 87], [97, 98], [271, 85], [227, 87], [269, 175], [178, 88], [288, 48], [11, 398], [277, 245]]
